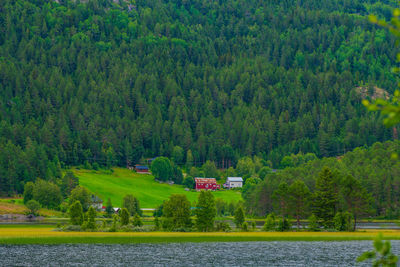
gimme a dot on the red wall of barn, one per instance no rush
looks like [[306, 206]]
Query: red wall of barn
[[201, 186]]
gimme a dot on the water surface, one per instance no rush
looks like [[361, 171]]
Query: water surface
[[190, 254]]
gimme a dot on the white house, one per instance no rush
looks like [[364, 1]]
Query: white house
[[96, 202], [233, 182]]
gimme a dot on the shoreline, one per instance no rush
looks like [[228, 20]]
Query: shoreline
[[47, 236]]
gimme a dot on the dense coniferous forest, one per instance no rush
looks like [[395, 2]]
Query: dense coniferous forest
[[111, 82], [374, 172]]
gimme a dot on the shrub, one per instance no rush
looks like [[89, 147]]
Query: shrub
[[124, 216], [313, 223], [28, 191], [245, 227], [82, 195], [114, 224], [253, 225], [137, 221], [283, 225], [76, 213], [223, 227], [156, 224], [270, 223], [91, 215], [343, 221], [47, 194], [33, 206], [239, 216], [132, 204], [72, 228]]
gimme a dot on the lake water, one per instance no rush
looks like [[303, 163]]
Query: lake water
[[190, 254]]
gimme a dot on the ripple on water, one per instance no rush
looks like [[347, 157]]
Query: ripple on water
[[190, 254]]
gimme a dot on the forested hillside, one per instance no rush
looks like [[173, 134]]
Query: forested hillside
[[374, 170], [109, 83]]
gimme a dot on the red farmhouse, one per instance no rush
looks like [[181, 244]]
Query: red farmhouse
[[141, 169], [206, 184]]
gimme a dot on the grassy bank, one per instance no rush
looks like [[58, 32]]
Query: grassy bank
[[150, 192], [46, 235]]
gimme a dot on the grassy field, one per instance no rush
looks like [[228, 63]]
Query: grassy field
[[46, 235], [16, 206], [143, 186]]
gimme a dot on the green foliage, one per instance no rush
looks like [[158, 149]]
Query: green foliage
[[132, 204], [162, 169], [253, 225], [270, 223], [343, 221], [137, 222], [313, 224], [28, 191], [33, 206], [239, 216], [223, 227], [189, 182], [364, 183], [221, 207], [82, 195], [178, 155], [281, 198], [109, 207], [76, 213], [210, 170], [156, 224], [245, 167], [68, 183], [325, 197], [149, 192], [245, 227], [205, 212], [237, 87], [114, 225], [381, 255], [124, 214], [283, 225], [47, 194], [389, 108], [299, 195], [91, 216], [176, 212]]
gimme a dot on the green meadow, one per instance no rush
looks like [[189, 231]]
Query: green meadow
[[116, 184]]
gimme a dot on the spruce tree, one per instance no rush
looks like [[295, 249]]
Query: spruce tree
[[325, 197]]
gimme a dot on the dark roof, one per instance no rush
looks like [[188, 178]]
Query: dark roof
[[140, 167]]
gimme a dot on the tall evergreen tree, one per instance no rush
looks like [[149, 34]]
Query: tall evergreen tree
[[325, 197], [205, 211]]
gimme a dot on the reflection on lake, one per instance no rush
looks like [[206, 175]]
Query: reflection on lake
[[190, 254]]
